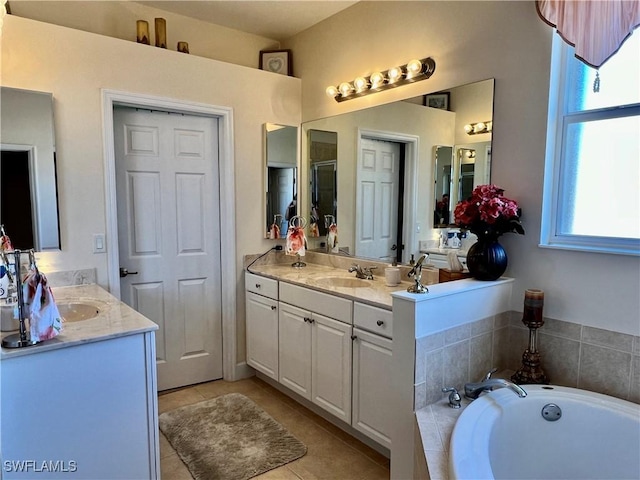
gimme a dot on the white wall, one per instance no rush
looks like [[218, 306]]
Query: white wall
[[118, 19], [473, 41], [76, 65]]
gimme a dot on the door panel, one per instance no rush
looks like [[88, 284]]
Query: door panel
[[294, 363], [169, 233], [378, 188]]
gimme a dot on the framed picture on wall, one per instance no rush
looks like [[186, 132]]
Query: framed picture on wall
[[276, 61], [437, 100]]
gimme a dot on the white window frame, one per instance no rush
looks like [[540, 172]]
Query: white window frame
[[557, 122]]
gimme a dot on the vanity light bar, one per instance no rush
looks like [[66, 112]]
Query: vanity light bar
[[414, 71], [480, 127]]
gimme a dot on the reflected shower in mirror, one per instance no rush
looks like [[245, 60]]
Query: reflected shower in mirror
[[28, 194], [281, 161], [389, 193]]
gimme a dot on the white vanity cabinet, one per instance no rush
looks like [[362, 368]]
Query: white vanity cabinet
[[262, 324], [372, 355], [315, 350]]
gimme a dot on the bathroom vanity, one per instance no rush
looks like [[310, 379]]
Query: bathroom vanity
[[327, 337], [364, 355], [84, 404]]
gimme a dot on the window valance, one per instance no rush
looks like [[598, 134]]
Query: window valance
[[595, 28]]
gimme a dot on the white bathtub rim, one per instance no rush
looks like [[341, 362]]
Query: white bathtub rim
[[470, 440]]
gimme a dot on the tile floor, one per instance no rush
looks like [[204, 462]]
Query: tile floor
[[331, 453]]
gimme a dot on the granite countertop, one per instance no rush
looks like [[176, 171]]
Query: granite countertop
[[376, 293], [116, 319]]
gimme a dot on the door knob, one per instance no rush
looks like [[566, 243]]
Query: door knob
[[124, 272]]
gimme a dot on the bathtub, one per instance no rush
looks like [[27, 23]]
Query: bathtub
[[503, 436]]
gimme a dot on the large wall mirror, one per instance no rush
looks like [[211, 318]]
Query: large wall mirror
[[281, 162], [28, 193], [394, 163]]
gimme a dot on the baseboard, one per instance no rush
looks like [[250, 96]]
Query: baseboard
[[326, 415], [240, 371]]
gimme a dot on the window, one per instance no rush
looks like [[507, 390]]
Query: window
[[591, 198]]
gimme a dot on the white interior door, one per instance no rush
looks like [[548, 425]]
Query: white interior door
[[169, 233], [377, 198]]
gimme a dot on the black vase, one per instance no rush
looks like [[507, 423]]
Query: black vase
[[487, 259]]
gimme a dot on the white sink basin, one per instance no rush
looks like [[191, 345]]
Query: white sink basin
[[344, 282], [77, 311]]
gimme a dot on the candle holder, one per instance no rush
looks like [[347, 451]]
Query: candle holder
[[531, 372]]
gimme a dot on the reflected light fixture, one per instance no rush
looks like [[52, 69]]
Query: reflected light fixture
[[414, 71], [480, 127]]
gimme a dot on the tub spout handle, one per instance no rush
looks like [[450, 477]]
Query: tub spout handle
[[454, 397]]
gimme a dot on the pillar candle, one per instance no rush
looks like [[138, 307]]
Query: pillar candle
[[161, 33], [142, 32]]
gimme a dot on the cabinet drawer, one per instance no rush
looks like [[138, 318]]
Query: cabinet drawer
[[261, 285], [373, 319], [318, 302]]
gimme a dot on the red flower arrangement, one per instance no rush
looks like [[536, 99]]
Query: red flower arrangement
[[488, 213]]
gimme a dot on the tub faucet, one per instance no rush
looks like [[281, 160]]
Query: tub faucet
[[473, 390]]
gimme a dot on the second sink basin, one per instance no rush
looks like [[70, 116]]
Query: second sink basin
[[76, 311], [344, 282]]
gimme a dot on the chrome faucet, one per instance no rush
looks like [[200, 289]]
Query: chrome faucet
[[416, 274], [362, 272], [473, 390]]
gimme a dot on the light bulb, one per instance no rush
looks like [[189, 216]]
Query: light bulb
[[479, 127], [468, 128], [360, 84], [332, 91], [394, 74], [345, 88], [376, 79], [414, 67]]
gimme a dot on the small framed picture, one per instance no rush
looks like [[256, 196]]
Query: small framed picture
[[437, 100], [276, 61]]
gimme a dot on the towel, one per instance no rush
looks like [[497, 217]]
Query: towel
[[45, 321], [296, 241], [5, 244], [332, 238], [274, 232]]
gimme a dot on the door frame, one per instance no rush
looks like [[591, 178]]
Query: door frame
[[412, 148], [112, 98]]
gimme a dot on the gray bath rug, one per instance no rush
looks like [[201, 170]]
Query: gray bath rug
[[228, 438]]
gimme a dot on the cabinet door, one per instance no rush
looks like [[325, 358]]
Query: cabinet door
[[331, 366], [262, 334], [295, 349], [372, 393]]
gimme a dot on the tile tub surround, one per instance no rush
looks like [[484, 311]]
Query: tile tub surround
[[115, 319], [455, 316], [579, 356], [452, 357]]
